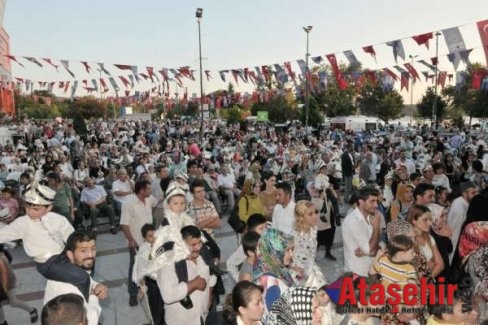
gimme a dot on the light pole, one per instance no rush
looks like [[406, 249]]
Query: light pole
[[307, 99], [434, 107], [199, 14], [411, 92]]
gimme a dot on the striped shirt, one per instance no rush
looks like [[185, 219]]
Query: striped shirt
[[395, 273]]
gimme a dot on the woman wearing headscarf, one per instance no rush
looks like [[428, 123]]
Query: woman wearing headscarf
[[297, 306], [473, 251], [274, 254], [404, 199], [249, 202], [442, 233]]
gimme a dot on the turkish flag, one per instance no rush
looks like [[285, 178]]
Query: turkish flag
[[333, 63], [404, 81], [423, 39], [476, 79], [483, 29], [441, 79], [370, 50]]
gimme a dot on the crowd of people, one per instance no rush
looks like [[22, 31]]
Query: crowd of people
[[409, 206]]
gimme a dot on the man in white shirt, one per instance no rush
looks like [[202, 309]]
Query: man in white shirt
[[403, 160], [187, 293], [81, 250], [361, 232], [95, 197], [284, 211], [135, 214], [122, 188], [458, 211], [227, 186]]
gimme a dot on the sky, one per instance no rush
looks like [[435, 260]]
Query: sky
[[235, 34]]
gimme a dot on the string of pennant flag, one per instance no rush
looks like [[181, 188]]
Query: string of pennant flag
[[282, 73]]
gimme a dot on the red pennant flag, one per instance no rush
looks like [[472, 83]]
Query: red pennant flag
[[103, 84], [483, 29], [370, 75], [124, 81], [11, 57], [66, 86], [185, 71], [252, 76], [390, 73], [404, 81], [290, 71], [87, 66], [145, 76], [370, 50], [265, 71], [342, 82], [33, 60], [434, 60], [85, 82], [412, 71], [61, 84], [123, 66], [476, 79], [441, 79], [51, 63], [423, 39], [127, 93], [450, 77], [333, 63]]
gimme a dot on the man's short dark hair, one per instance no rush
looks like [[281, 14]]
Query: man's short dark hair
[[254, 221], [365, 192], [196, 183], [140, 185], [54, 176], [147, 228], [285, 186], [422, 188], [79, 236], [250, 241], [192, 163], [25, 175], [190, 232], [67, 309], [414, 176]]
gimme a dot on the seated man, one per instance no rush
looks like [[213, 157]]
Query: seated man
[[95, 197], [81, 250]]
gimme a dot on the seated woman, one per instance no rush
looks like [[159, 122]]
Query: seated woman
[[298, 305], [271, 271], [249, 202]]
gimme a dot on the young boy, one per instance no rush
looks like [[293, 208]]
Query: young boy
[[249, 243], [440, 314], [257, 223], [44, 234]]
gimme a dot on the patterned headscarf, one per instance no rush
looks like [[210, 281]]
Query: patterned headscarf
[[270, 253], [473, 237], [294, 307]]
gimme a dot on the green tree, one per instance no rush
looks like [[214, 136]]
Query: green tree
[[374, 100], [232, 114], [278, 108], [337, 102], [79, 124], [89, 107], [427, 103], [315, 113]]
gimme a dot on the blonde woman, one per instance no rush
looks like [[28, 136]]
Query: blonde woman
[[305, 243]]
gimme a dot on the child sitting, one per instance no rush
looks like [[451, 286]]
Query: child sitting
[[44, 234], [249, 243], [257, 223]]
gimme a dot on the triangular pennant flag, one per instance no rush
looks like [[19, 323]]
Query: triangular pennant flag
[[85, 83], [464, 54], [33, 60], [123, 66], [102, 67], [400, 69], [427, 64], [164, 73], [145, 76], [65, 65], [113, 83], [222, 74], [303, 67], [351, 58], [426, 75], [234, 74], [476, 79], [455, 44], [289, 70], [207, 74], [127, 93], [103, 84], [240, 73], [412, 71], [333, 63], [51, 63], [131, 78], [404, 81], [50, 87], [66, 87], [483, 30], [441, 80], [150, 72], [370, 50], [398, 50], [95, 85], [390, 73], [124, 81], [423, 39], [73, 88], [317, 59], [13, 58], [87, 66]]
